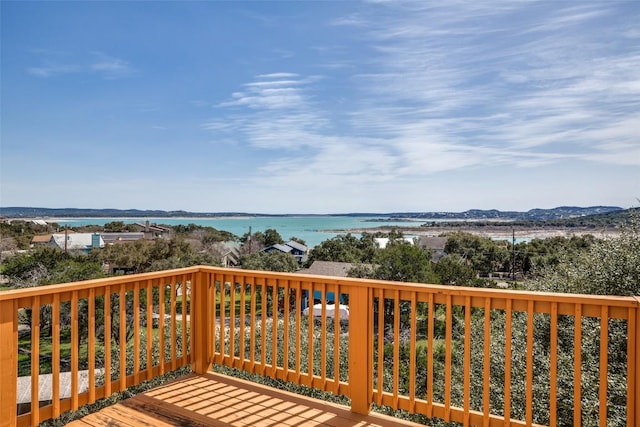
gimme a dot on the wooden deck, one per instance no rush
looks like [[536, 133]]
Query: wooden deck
[[218, 400]]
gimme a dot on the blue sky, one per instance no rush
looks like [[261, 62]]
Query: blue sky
[[318, 107]]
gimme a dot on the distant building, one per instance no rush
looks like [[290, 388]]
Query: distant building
[[153, 231], [328, 268], [40, 240], [436, 244], [229, 253], [112, 238], [76, 241], [382, 242], [298, 250]]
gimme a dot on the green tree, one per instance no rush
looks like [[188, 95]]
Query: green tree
[[345, 248], [482, 254], [608, 267], [272, 237], [270, 261], [142, 255], [404, 262], [452, 270]]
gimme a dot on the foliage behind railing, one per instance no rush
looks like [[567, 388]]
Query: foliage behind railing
[[474, 356]]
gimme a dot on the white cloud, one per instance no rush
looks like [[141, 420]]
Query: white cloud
[[110, 67], [107, 66], [468, 88], [53, 70]]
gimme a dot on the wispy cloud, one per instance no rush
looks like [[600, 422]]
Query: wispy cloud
[[450, 88], [57, 63], [110, 67], [49, 70]]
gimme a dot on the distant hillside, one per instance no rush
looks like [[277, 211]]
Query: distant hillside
[[30, 212], [562, 212], [559, 213]]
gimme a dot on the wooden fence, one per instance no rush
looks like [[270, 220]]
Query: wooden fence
[[474, 356]]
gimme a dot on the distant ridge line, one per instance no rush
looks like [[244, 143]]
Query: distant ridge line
[[540, 214]]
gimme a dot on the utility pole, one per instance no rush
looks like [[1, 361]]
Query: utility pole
[[249, 239]]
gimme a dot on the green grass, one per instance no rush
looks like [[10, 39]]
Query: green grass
[[46, 347]]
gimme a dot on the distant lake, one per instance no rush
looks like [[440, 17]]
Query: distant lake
[[311, 229]]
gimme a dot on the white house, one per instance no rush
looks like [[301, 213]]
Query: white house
[[76, 241]]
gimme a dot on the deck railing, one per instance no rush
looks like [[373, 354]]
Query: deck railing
[[474, 356]]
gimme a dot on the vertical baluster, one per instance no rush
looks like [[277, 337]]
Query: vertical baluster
[[467, 358], [122, 298], [107, 341], [310, 335], [447, 361], [75, 346], [323, 337], [577, 365], [55, 349], [184, 291], [217, 298], [136, 333], [149, 344], [396, 347], [486, 369], [274, 327], [91, 345], [263, 329], [298, 331], [285, 347], [336, 341], [430, 320], [604, 351], [161, 320], [252, 338], [174, 320], [243, 315], [412, 354], [507, 364], [232, 318], [633, 368], [222, 318], [529, 390], [35, 361], [210, 323], [381, 365], [553, 361]]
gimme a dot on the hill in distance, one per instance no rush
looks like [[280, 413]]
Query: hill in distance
[[563, 212]]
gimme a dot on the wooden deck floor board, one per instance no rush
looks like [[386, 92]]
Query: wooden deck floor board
[[214, 400]]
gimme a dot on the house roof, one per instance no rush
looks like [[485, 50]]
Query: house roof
[[74, 241], [282, 248], [297, 246], [382, 242], [123, 237], [431, 242], [328, 268], [229, 246], [42, 238], [152, 227]]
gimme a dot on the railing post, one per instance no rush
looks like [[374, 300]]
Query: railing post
[[200, 318], [359, 350], [636, 374], [8, 362]]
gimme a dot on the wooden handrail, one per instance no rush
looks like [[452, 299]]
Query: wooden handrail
[[256, 321]]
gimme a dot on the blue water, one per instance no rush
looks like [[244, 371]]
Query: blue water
[[312, 229]]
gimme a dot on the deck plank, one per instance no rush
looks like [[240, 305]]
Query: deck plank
[[215, 400]]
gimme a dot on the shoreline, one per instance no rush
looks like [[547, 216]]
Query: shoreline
[[490, 232]]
